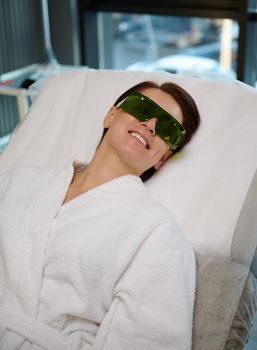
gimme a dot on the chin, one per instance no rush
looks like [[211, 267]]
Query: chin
[[132, 159]]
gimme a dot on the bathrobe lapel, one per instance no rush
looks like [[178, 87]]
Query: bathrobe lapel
[[29, 221]]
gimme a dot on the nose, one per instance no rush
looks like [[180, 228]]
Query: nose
[[150, 124]]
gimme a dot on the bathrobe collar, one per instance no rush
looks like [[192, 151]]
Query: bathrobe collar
[[127, 186]]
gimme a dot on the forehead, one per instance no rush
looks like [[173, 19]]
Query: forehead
[[165, 100]]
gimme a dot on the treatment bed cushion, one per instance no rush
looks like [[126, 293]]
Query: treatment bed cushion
[[204, 186]]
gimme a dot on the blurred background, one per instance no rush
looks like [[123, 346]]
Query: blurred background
[[39, 38]]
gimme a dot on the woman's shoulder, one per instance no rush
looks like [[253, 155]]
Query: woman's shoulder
[[32, 176], [165, 227], [30, 170], [156, 210]]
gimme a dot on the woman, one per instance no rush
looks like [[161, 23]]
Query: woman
[[90, 260]]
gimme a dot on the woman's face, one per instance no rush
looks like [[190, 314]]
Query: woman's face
[[134, 143]]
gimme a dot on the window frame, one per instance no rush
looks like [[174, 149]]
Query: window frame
[[233, 9]]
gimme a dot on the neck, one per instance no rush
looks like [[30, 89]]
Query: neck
[[104, 167]]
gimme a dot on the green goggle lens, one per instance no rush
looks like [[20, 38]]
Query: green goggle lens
[[143, 108]]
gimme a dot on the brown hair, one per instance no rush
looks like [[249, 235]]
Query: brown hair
[[191, 117]]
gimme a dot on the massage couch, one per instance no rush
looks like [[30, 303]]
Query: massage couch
[[210, 186]]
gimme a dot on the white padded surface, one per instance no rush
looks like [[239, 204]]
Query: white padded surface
[[204, 186]]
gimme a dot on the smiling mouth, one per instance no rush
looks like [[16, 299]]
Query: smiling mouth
[[139, 138]]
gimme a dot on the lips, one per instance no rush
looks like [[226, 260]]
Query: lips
[[140, 138]]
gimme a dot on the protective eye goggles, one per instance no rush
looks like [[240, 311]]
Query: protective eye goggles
[[143, 108]]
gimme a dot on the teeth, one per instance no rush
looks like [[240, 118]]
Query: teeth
[[139, 137]]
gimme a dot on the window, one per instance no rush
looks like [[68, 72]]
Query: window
[[221, 34], [175, 44]]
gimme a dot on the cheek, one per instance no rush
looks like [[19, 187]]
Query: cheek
[[116, 125], [118, 129], [160, 146], [122, 121]]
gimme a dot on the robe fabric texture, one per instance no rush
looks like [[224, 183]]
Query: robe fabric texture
[[108, 270]]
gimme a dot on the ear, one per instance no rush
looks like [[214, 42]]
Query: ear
[[110, 116], [163, 159]]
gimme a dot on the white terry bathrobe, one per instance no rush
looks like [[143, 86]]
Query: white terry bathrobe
[[108, 270]]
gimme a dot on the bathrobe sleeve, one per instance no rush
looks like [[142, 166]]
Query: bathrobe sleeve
[[153, 300]]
